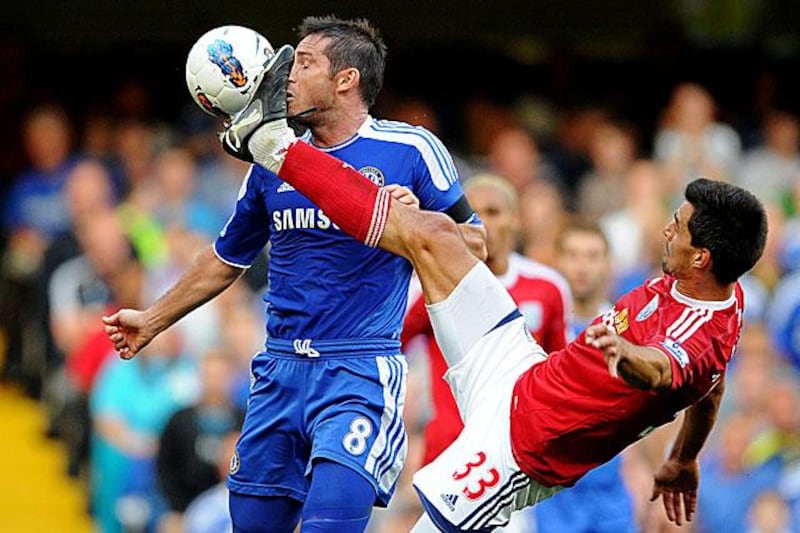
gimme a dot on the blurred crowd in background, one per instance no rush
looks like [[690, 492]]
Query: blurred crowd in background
[[106, 209]]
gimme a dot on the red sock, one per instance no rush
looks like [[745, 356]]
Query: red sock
[[352, 201]]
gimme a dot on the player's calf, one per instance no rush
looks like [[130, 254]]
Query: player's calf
[[436, 248]]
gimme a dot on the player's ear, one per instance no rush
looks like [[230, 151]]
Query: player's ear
[[702, 259], [347, 78]]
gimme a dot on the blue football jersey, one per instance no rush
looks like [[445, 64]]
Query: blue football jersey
[[325, 288]]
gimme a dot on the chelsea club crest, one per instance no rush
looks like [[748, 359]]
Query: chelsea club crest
[[235, 464], [374, 175]]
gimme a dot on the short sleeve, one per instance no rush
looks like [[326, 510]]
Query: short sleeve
[[436, 181], [247, 231], [691, 351]]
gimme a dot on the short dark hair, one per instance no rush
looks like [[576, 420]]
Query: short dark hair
[[354, 44], [728, 221]]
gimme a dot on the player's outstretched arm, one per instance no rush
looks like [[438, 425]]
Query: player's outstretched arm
[[640, 366], [677, 480], [131, 330]]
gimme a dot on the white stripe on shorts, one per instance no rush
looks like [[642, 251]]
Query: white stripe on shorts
[[382, 461]]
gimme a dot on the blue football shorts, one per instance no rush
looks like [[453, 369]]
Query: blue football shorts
[[345, 409]]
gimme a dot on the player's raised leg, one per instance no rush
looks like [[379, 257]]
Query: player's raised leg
[[431, 241], [465, 299]]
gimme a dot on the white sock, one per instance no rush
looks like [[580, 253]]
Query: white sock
[[269, 144]]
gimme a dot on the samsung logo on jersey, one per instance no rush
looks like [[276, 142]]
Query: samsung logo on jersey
[[301, 218], [675, 349]]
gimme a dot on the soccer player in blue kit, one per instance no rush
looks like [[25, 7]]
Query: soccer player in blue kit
[[323, 439]]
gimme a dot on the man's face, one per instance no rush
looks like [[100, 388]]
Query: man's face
[[500, 220], [310, 81], [583, 259], [678, 250]]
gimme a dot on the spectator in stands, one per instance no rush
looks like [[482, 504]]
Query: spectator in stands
[[179, 203], [87, 193], [130, 405], [33, 213], [771, 170], [80, 292], [584, 260], [639, 219], [208, 512], [612, 151], [752, 373], [784, 318], [542, 215], [691, 143], [193, 438], [769, 514], [780, 440], [730, 485], [514, 154]]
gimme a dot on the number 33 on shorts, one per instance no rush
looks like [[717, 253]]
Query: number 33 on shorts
[[477, 477]]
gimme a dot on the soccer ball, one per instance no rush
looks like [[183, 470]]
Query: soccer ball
[[224, 68]]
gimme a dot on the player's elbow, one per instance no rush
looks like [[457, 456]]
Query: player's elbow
[[651, 376]]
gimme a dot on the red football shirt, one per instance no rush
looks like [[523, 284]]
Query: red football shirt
[[568, 415], [542, 295]]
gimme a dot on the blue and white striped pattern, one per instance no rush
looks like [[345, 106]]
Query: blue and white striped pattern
[[437, 158], [484, 514], [387, 454]]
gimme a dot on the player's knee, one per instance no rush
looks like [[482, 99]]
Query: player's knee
[[256, 514], [339, 500], [432, 231]]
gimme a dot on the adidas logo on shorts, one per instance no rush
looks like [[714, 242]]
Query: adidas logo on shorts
[[450, 500]]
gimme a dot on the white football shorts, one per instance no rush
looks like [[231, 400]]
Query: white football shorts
[[475, 484]]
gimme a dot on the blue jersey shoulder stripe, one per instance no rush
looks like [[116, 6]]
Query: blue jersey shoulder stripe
[[436, 144], [410, 133], [440, 165]]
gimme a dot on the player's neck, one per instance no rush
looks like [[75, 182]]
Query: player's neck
[[704, 289], [337, 126]]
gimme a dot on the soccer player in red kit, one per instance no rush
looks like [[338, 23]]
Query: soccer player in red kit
[[535, 423], [541, 294]]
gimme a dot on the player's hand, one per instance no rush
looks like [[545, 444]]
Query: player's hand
[[676, 482], [127, 329], [607, 341], [402, 194]]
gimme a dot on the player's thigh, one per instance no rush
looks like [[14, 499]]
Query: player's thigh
[[493, 365], [357, 420], [272, 453]]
